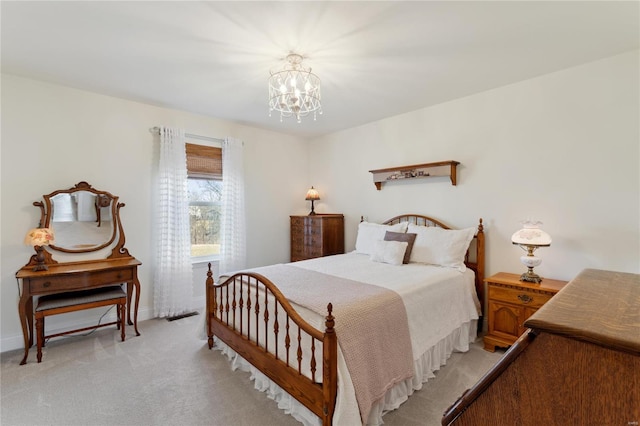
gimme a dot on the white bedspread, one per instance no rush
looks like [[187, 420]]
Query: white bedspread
[[437, 299], [441, 306]]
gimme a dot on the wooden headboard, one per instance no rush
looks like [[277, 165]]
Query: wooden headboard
[[474, 259]]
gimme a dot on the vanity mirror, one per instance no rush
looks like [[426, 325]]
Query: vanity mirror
[[82, 218]]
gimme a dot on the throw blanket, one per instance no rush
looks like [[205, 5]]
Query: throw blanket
[[371, 325]]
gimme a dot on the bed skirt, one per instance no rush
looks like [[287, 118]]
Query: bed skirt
[[430, 361]]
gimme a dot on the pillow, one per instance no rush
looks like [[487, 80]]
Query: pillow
[[399, 236], [391, 252], [442, 247], [369, 233]]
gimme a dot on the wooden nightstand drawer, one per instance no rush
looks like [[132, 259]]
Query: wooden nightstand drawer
[[518, 296]]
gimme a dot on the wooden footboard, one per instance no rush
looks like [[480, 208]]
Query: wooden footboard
[[250, 315]]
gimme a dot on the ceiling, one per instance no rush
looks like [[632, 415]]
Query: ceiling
[[375, 59]]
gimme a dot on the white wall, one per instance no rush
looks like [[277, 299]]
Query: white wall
[[561, 148], [54, 137]]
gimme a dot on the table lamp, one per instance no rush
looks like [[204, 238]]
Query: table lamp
[[39, 237], [530, 238], [312, 195]]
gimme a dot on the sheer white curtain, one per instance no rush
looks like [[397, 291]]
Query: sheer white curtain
[[233, 229], [172, 281]]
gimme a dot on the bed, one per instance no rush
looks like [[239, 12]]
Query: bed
[[282, 322]]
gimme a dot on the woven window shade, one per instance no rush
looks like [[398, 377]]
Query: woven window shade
[[204, 162]]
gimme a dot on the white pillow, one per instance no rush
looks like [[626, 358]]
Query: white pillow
[[391, 252], [442, 247], [369, 233]]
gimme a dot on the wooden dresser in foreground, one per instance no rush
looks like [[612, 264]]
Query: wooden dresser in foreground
[[510, 302], [578, 363], [316, 236]]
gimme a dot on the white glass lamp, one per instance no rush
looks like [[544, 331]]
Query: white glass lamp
[[530, 238], [312, 195]]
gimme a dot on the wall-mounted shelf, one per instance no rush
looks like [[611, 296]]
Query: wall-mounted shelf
[[417, 171]]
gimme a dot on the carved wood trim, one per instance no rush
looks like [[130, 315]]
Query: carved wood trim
[[119, 250], [117, 238]]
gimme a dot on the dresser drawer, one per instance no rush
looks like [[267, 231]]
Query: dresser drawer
[[79, 281], [313, 220], [518, 296], [313, 241], [313, 230], [313, 251], [297, 227], [297, 239]]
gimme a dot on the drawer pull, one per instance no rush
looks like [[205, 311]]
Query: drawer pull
[[46, 284], [524, 298]]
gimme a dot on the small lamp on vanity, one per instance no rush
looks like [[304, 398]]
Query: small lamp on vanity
[[39, 237], [530, 238], [312, 195]]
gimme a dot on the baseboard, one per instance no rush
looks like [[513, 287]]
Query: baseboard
[[17, 341]]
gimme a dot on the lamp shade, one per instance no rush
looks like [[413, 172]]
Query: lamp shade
[[312, 194], [531, 235], [39, 237]]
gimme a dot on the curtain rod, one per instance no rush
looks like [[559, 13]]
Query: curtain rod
[[156, 130]]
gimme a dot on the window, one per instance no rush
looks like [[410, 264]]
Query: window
[[204, 216], [204, 170]]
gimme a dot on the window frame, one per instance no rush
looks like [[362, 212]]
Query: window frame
[[204, 162]]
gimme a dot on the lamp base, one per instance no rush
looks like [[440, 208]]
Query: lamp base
[[530, 261], [40, 265], [531, 277], [312, 213]]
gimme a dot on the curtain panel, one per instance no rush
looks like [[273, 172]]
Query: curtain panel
[[172, 281], [233, 228]]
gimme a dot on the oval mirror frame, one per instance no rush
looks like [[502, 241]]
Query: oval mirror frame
[[93, 208]]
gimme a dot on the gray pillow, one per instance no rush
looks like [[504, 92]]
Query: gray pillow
[[401, 236]]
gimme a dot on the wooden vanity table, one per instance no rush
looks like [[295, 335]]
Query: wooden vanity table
[[73, 276], [89, 236]]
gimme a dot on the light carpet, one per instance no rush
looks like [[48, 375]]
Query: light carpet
[[168, 376]]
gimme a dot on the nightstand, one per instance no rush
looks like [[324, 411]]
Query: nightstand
[[510, 302]]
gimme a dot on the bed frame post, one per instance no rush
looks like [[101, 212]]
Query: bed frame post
[[210, 295], [329, 368], [480, 272]]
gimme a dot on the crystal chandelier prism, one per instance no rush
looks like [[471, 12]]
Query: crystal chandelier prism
[[295, 90]]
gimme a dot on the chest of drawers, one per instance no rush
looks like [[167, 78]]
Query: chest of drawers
[[316, 235]]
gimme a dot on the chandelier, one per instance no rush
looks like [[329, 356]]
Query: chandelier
[[294, 91]]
